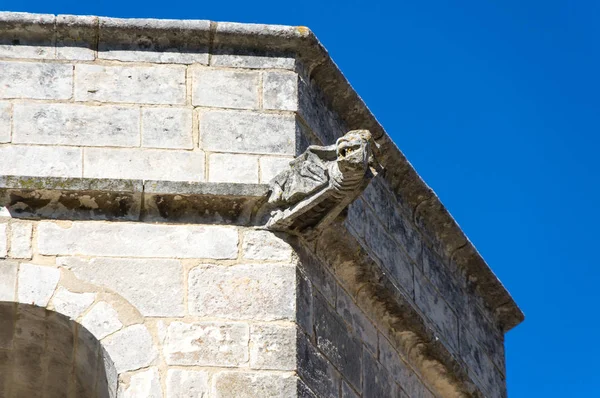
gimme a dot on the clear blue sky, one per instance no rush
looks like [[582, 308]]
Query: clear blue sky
[[497, 105]]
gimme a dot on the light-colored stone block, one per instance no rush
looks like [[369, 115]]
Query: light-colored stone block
[[247, 132], [265, 245], [263, 292], [101, 320], [76, 36], [145, 383], [71, 304], [138, 240], [273, 346], [36, 80], [270, 166], [8, 280], [154, 287], [147, 164], [57, 161], [254, 384], [131, 348], [187, 383], [69, 124], [38, 43], [226, 167], [130, 84], [248, 61], [3, 240], [36, 284], [5, 122], [167, 128], [280, 91], [225, 88], [206, 344], [20, 240]]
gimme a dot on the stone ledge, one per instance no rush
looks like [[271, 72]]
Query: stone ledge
[[131, 200], [217, 37]]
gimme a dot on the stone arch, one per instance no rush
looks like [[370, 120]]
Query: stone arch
[[46, 354]]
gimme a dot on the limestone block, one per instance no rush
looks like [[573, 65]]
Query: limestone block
[[247, 132], [167, 128], [131, 348], [71, 304], [253, 61], [280, 91], [361, 325], [58, 161], [38, 43], [5, 122], [377, 382], [76, 37], [187, 383], [273, 346], [348, 392], [147, 164], [486, 333], [233, 168], [270, 166], [130, 84], [145, 383], [451, 285], [101, 320], [153, 286], [265, 245], [225, 88], [20, 240], [36, 80], [252, 384], [138, 240], [480, 366], [262, 292], [36, 284], [405, 232], [206, 344], [399, 370], [69, 124], [3, 240], [319, 375], [8, 280]]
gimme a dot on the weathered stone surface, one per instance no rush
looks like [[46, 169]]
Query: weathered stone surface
[[20, 240], [145, 383], [322, 121], [36, 284], [71, 304], [154, 287], [233, 168], [149, 164], [130, 84], [8, 280], [101, 320], [225, 88], [187, 383], [280, 91], [3, 240], [480, 367], [486, 333], [399, 370], [377, 383], [36, 80], [318, 275], [404, 231], [273, 346], [27, 35], [138, 240], [450, 285], [247, 132], [252, 61], [263, 292], [318, 374], [206, 344], [362, 326], [58, 161], [252, 385], [437, 310], [265, 245], [270, 166], [76, 37], [304, 299], [5, 122], [348, 392], [69, 124], [131, 348], [167, 128], [337, 343]]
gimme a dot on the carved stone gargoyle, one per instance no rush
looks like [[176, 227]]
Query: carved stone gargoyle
[[320, 183]]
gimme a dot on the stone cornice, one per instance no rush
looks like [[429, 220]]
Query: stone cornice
[[189, 36]]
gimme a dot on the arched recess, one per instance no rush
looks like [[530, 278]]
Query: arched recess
[[48, 355]]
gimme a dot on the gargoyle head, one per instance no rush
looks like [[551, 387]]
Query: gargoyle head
[[354, 151]]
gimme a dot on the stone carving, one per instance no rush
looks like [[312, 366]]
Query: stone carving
[[320, 183]]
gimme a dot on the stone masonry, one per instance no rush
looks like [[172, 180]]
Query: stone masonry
[[141, 254]]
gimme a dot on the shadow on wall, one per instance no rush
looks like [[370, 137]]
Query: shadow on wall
[[46, 354]]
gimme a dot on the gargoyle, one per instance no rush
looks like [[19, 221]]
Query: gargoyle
[[320, 183]]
